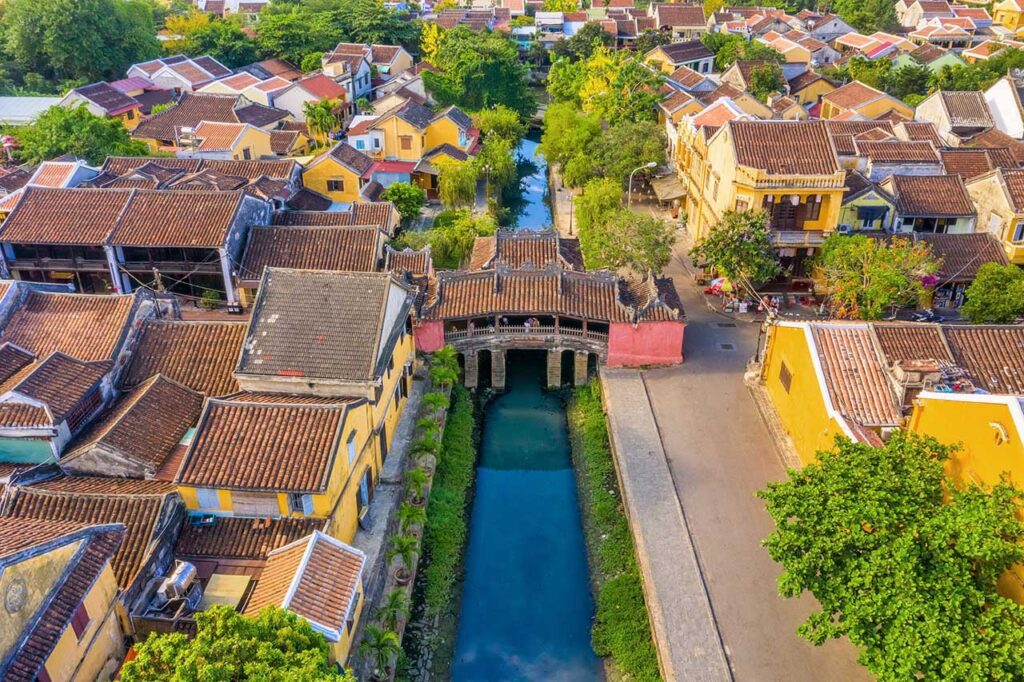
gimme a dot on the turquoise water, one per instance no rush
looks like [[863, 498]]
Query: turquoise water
[[530, 208], [526, 603]]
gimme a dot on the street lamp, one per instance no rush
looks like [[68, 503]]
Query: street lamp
[[629, 192]]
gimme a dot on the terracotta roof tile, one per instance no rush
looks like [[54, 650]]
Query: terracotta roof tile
[[145, 424], [931, 195], [122, 165], [897, 151], [963, 254], [355, 248], [264, 446], [64, 216], [853, 95], [12, 360], [200, 355], [313, 218], [107, 98], [325, 578], [968, 163], [218, 136], [905, 343], [997, 138], [687, 51], [243, 538], [966, 108], [318, 324], [993, 355], [138, 505], [60, 383], [184, 219], [855, 375], [844, 132], [784, 147], [82, 326], [408, 261]]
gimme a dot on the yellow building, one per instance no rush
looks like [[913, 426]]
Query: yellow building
[[809, 87], [276, 455], [866, 206], [988, 431], [237, 141], [1008, 13], [789, 169], [102, 99], [319, 579], [358, 345], [857, 99], [998, 197], [60, 621], [410, 130], [338, 174]]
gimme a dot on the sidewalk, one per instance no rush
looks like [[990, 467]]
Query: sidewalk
[[561, 203], [685, 632]]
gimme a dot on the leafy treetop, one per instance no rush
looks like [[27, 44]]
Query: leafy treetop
[[740, 247], [996, 296], [60, 130]]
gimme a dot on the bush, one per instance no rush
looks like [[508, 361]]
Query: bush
[[621, 626], [447, 528]]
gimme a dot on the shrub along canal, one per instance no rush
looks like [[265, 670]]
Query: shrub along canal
[[526, 602]]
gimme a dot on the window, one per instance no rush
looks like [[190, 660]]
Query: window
[[868, 215], [360, 144], [742, 205], [405, 141], [785, 377], [336, 185], [207, 499], [80, 620], [247, 154], [351, 444], [813, 208], [130, 115], [1018, 234], [376, 143], [298, 502], [352, 613]]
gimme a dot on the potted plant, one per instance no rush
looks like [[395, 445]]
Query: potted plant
[[210, 299], [416, 485], [411, 516], [394, 610], [422, 449], [428, 427], [402, 547], [379, 646]]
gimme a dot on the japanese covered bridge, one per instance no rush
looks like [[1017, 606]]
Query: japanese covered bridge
[[528, 290]]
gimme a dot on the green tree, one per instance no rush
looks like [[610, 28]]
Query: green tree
[[477, 70], [569, 134], [900, 561], [740, 247], [370, 21], [766, 80], [322, 118], [496, 164], [565, 79], [628, 146], [625, 239], [70, 39], [601, 197], [395, 607], [908, 80], [311, 61], [996, 296], [730, 48], [297, 32], [451, 238], [501, 122], [275, 645], [582, 44], [561, 5], [650, 39], [60, 130], [867, 16], [379, 647], [407, 198], [222, 39], [456, 182], [866, 277]]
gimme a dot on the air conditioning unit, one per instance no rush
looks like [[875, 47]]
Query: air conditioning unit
[[843, 228]]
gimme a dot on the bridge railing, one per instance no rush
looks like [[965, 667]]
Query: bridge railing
[[524, 330]]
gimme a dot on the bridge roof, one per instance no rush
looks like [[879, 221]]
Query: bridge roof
[[552, 290]]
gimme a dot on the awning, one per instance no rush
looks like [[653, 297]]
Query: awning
[[668, 188]]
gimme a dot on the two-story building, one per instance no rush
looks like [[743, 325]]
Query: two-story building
[[789, 169], [938, 204], [998, 197], [340, 174], [103, 100]]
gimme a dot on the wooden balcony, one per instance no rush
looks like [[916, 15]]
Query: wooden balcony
[[798, 238], [60, 264], [177, 267], [522, 330]]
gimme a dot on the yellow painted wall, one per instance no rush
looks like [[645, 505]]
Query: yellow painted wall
[[802, 408], [1006, 14], [83, 659], [995, 215], [39, 573], [403, 62], [983, 455], [315, 177], [341, 649], [131, 119], [394, 128], [254, 139], [442, 131], [813, 92], [661, 61], [753, 106], [848, 212], [883, 105]]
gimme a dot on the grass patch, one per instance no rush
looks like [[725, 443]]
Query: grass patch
[[621, 629]]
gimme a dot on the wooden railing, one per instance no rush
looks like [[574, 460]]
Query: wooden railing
[[761, 180], [525, 330], [59, 264]]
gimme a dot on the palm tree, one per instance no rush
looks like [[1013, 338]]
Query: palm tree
[[436, 402], [416, 484], [427, 445], [410, 515], [321, 119], [446, 356], [443, 376], [394, 609], [429, 427], [403, 547], [380, 646]]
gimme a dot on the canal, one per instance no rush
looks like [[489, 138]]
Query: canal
[[530, 208], [526, 607]]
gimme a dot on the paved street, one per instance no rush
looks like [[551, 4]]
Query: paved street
[[720, 453]]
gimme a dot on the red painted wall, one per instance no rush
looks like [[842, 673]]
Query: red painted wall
[[429, 336], [648, 343]]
